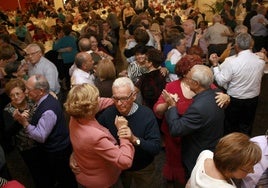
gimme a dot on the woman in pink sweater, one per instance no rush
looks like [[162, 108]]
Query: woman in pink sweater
[[96, 152]]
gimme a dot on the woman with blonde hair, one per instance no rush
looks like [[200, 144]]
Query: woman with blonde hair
[[234, 157], [105, 76], [96, 152]]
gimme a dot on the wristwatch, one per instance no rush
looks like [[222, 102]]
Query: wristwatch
[[137, 142]]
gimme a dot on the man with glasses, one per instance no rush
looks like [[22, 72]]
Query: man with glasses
[[37, 64], [144, 133]]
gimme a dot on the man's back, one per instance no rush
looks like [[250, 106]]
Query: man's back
[[241, 75], [201, 127]]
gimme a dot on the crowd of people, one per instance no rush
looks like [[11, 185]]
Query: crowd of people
[[190, 89]]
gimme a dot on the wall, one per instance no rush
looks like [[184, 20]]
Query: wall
[[11, 4]]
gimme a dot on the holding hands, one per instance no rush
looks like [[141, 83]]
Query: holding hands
[[122, 126], [22, 118]]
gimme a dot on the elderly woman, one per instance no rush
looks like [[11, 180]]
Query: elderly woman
[[95, 150], [15, 89], [234, 157]]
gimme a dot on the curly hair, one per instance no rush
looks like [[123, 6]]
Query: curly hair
[[13, 83], [185, 64], [82, 101]]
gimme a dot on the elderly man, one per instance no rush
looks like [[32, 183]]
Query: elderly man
[[84, 45], [241, 76], [48, 128], [83, 73], [192, 37], [144, 134], [217, 36], [41, 65], [202, 124]]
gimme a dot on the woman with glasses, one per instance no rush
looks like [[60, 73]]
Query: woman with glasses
[[14, 132], [95, 151]]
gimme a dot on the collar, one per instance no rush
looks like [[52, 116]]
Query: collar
[[133, 109]]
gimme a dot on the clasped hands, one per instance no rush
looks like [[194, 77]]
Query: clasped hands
[[122, 126], [22, 118]]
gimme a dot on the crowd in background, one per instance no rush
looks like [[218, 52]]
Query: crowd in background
[[190, 87]]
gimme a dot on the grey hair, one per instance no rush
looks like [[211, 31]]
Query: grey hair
[[41, 83], [240, 29], [177, 40], [123, 81], [243, 41], [203, 75], [217, 18], [84, 44], [80, 58], [33, 45]]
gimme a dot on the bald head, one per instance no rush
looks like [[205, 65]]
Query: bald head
[[84, 44], [84, 61]]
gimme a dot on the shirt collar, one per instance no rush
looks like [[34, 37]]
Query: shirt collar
[[133, 109]]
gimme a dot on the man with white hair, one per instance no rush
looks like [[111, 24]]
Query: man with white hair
[[241, 76], [217, 36], [201, 126], [38, 64], [193, 38]]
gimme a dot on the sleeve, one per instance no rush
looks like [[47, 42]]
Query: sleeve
[[45, 125], [223, 73], [151, 142], [121, 156], [183, 125], [105, 103], [51, 75]]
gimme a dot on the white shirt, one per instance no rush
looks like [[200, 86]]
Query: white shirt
[[241, 75], [80, 77], [214, 34], [173, 60], [252, 179], [199, 178]]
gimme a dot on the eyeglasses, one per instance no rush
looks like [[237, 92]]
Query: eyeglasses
[[17, 94], [188, 79], [31, 54], [122, 99], [249, 170]]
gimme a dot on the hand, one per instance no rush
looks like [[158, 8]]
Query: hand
[[124, 132], [75, 168], [171, 99], [22, 118], [163, 71], [120, 121], [222, 99]]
